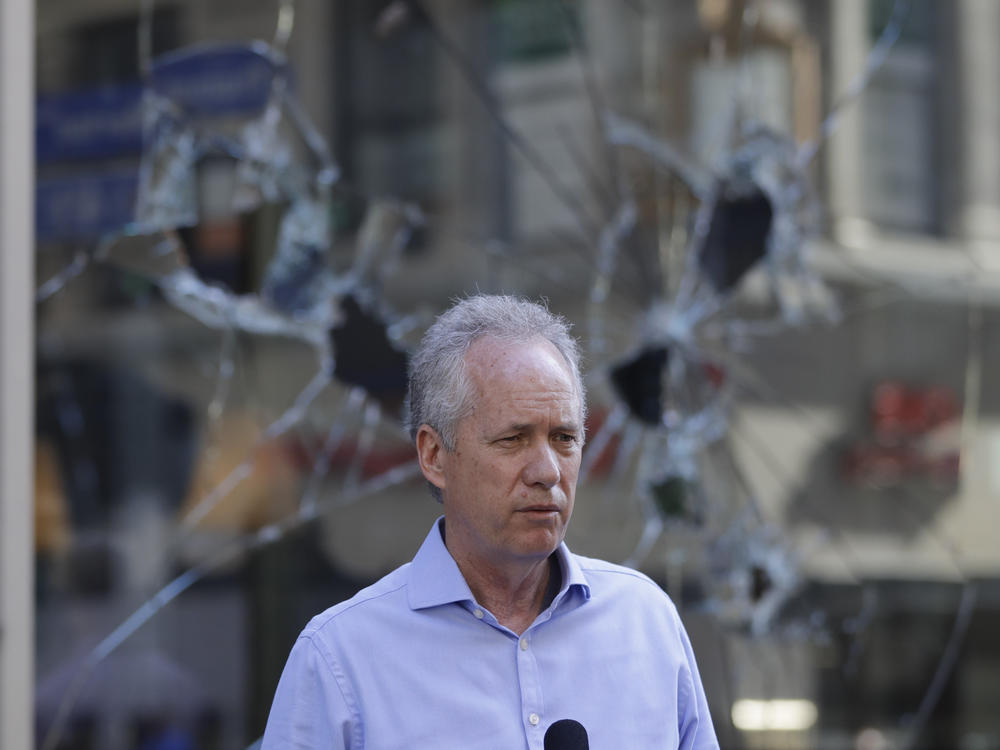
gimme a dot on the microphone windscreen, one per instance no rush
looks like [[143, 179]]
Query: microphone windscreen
[[566, 734]]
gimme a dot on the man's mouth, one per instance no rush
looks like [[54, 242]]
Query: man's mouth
[[541, 509]]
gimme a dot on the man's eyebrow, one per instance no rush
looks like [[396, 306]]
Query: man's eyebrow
[[522, 426]]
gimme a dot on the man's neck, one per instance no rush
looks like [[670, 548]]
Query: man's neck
[[515, 597]]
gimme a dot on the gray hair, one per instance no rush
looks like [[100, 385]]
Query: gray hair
[[439, 390]]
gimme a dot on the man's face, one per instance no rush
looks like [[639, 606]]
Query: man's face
[[509, 484]]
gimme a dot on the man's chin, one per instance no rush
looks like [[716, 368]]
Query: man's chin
[[540, 542]]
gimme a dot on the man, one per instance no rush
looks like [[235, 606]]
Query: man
[[495, 630]]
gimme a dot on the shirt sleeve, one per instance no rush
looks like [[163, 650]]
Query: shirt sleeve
[[695, 728], [310, 710]]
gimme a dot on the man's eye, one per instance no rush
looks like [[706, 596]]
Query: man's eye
[[510, 439], [565, 437]]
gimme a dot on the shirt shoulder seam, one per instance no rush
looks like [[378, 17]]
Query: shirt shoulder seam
[[339, 679], [337, 610], [590, 565]]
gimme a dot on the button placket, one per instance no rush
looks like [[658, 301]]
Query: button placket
[[530, 683]]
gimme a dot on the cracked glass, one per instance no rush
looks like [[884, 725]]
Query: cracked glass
[[228, 291]]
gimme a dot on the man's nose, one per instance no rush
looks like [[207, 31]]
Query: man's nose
[[542, 467]]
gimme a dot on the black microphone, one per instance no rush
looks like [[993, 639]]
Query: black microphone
[[566, 734]]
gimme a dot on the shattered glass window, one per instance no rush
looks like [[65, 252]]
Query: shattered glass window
[[242, 235]]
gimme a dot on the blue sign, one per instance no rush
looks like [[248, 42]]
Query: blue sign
[[214, 80], [97, 124], [203, 81], [85, 207]]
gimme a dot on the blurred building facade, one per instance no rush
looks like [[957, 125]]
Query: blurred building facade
[[488, 118]]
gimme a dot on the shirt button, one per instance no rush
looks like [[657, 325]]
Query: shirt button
[[524, 647], [533, 720], [478, 613]]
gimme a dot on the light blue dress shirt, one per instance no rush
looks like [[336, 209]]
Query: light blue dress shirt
[[414, 662]]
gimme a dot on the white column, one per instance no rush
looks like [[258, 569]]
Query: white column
[[977, 26], [849, 44], [17, 212]]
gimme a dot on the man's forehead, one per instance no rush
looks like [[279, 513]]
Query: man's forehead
[[523, 377], [489, 355], [560, 405]]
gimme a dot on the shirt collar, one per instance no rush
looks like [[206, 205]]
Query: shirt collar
[[573, 576], [435, 578]]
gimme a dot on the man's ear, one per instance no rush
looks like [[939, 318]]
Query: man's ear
[[430, 450]]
